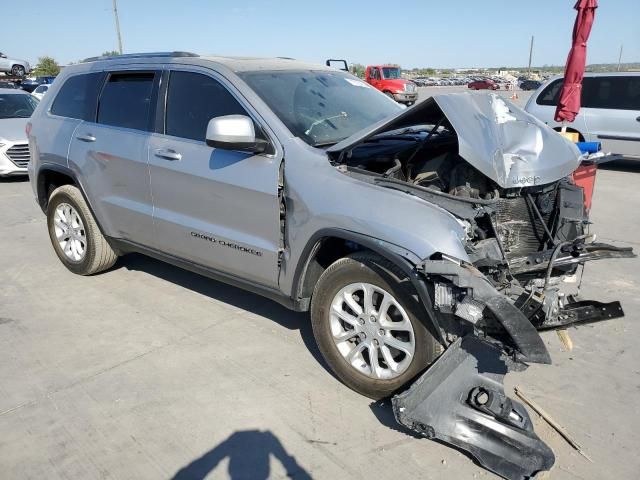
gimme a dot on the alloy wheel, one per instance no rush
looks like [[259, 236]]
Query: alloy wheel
[[372, 331]]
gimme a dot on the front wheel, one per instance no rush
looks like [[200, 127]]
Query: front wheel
[[366, 322]]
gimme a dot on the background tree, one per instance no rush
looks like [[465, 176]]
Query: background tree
[[46, 67], [357, 69], [110, 53]]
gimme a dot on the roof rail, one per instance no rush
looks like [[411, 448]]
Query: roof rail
[[141, 55]]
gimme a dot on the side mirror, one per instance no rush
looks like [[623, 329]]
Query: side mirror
[[2, 55], [234, 132]]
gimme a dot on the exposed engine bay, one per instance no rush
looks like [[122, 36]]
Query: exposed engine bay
[[506, 178], [530, 241]]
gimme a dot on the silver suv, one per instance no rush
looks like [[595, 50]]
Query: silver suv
[[14, 66], [452, 226], [610, 111]]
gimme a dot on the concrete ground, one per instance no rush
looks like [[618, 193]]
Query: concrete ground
[[148, 372], [523, 96]]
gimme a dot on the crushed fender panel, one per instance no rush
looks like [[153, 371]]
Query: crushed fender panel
[[460, 400]]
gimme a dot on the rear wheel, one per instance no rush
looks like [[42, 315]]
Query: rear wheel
[[18, 70], [366, 322], [75, 235]]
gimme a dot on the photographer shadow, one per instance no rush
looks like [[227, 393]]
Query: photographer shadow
[[249, 452]]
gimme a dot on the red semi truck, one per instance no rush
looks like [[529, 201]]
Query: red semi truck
[[388, 79]]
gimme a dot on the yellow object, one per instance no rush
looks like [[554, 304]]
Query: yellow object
[[573, 136]]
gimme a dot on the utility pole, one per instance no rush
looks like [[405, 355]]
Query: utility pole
[[530, 55], [115, 13], [620, 57]]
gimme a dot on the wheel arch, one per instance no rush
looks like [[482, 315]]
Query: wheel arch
[[51, 177], [324, 248], [328, 245]]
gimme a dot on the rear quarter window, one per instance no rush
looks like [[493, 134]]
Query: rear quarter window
[[78, 96]]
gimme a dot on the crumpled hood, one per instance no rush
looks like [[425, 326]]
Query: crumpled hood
[[501, 140], [13, 129]]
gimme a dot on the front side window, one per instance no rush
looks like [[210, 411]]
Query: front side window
[[192, 100], [320, 107], [617, 93], [17, 106], [127, 100], [391, 72], [78, 97]]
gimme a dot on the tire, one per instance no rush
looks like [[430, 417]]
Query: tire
[[390, 95], [97, 255], [18, 70], [378, 273]]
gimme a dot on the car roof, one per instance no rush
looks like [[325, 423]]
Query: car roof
[[603, 74], [235, 64]]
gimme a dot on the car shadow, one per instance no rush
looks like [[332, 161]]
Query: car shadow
[[622, 165], [249, 453], [14, 179], [230, 295]]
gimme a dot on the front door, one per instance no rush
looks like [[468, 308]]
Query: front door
[[213, 207]]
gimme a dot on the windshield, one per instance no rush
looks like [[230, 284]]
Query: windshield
[[391, 72], [321, 107], [17, 106]]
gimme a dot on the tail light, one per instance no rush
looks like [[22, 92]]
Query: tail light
[[585, 177]]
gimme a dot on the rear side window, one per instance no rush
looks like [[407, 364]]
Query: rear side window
[[192, 100], [127, 100], [78, 97], [549, 96], [618, 93]]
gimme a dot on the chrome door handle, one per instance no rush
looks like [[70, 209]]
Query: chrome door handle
[[168, 154], [86, 138]]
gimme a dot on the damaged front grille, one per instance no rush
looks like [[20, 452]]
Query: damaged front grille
[[519, 228]]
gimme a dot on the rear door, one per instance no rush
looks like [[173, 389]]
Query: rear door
[[110, 154], [213, 207], [612, 112]]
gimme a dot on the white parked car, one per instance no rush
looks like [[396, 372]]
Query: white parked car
[[16, 106], [610, 111], [40, 91]]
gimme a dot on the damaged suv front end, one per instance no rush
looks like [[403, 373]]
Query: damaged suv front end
[[506, 178]]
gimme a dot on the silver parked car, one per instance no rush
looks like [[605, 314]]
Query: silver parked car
[[16, 106], [448, 227], [14, 66], [610, 111]]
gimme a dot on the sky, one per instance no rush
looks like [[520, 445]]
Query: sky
[[412, 33]]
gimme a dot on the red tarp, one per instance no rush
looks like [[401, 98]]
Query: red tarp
[[569, 100]]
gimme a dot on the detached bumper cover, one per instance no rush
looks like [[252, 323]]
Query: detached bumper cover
[[460, 400]]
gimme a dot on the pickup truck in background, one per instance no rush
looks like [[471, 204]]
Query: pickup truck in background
[[388, 79]]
